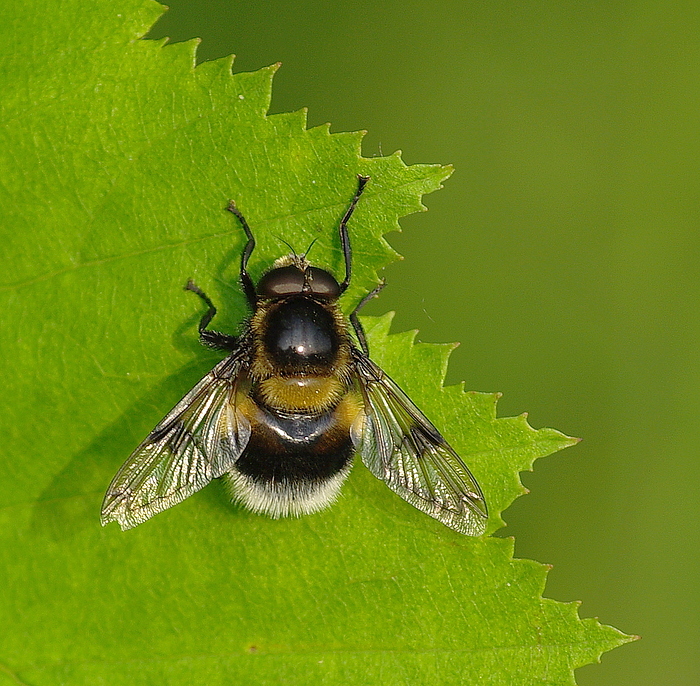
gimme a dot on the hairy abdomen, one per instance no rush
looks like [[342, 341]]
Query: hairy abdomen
[[295, 463]]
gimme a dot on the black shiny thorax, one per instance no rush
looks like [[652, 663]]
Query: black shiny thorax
[[301, 332]]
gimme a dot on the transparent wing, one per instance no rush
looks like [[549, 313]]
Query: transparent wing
[[198, 440], [401, 447]]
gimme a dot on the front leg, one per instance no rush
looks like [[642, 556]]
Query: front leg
[[212, 339], [356, 324]]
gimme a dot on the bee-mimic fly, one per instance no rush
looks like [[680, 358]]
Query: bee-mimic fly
[[282, 416]]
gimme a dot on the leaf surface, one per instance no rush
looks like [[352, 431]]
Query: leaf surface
[[117, 159]]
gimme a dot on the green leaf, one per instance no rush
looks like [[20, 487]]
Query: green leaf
[[117, 160]]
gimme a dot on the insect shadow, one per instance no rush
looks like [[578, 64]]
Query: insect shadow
[[71, 501]]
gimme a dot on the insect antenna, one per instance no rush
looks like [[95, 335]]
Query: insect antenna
[[306, 252], [281, 240]]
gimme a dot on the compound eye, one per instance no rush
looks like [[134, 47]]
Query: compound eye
[[322, 284], [281, 282]]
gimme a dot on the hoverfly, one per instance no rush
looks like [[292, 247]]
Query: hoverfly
[[281, 417]]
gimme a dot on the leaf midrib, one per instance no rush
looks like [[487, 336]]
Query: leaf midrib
[[318, 653]]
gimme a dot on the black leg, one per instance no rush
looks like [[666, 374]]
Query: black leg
[[359, 331], [212, 339], [248, 285], [343, 230]]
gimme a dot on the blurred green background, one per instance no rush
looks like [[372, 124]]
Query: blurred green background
[[563, 254]]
